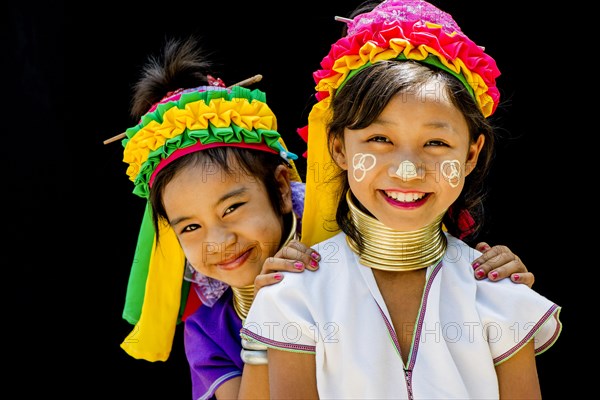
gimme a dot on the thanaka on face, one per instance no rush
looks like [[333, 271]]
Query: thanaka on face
[[420, 153]]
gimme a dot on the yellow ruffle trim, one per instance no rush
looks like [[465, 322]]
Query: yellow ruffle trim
[[370, 52], [198, 115]]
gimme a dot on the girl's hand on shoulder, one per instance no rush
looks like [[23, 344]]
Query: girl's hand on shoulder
[[500, 262], [294, 257]]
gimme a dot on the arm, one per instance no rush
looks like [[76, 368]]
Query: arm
[[500, 262], [292, 375], [517, 376], [254, 384], [294, 257], [229, 389]]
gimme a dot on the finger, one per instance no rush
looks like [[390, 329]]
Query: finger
[[502, 266], [513, 266], [527, 278], [493, 253], [496, 273], [295, 250], [495, 258], [263, 280], [292, 246], [291, 255], [274, 264], [483, 247], [483, 267], [312, 253]]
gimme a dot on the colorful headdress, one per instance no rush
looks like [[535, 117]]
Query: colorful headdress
[[185, 121], [394, 30]]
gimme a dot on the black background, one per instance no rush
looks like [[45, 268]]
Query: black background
[[77, 220]]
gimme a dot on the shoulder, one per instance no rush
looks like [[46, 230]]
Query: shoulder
[[511, 313], [459, 251], [335, 258], [457, 261], [334, 249]]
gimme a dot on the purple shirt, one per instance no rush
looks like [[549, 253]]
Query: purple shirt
[[212, 346]]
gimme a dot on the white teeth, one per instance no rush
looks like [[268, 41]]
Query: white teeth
[[405, 197]]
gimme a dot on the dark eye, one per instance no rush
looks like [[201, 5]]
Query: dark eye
[[191, 228], [436, 143], [232, 208], [379, 139]]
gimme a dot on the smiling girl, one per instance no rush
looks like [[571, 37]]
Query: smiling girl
[[394, 311]]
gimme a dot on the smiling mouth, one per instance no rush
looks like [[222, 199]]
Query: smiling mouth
[[405, 197], [236, 262]]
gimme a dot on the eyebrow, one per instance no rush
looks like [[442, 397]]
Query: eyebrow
[[432, 124], [233, 193], [221, 200]]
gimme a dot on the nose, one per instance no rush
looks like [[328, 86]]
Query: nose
[[218, 240], [406, 169]]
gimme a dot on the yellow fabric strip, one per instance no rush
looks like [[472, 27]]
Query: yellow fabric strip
[[318, 220], [152, 337]]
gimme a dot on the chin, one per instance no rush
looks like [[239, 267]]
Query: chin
[[245, 279], [402, 225]]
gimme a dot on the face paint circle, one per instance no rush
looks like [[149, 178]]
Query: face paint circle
[[450, 170], [361, 163]]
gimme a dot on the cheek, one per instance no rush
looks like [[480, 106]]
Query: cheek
[[193, 253], [452, 172], [265, 230], [361, 165]]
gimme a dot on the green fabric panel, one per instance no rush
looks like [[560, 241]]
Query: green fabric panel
[[136, 287]]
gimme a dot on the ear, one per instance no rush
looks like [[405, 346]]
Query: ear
[[338, 153], [282, 176], [473, 154]]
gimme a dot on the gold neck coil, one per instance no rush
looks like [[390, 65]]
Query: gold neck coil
[[391, 250]]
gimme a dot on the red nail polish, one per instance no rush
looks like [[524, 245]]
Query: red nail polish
[[494, 275], [313, 263], [476, 265], [516, 277], [298, 265], [315, 256], [278, 276], [480, 273]]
